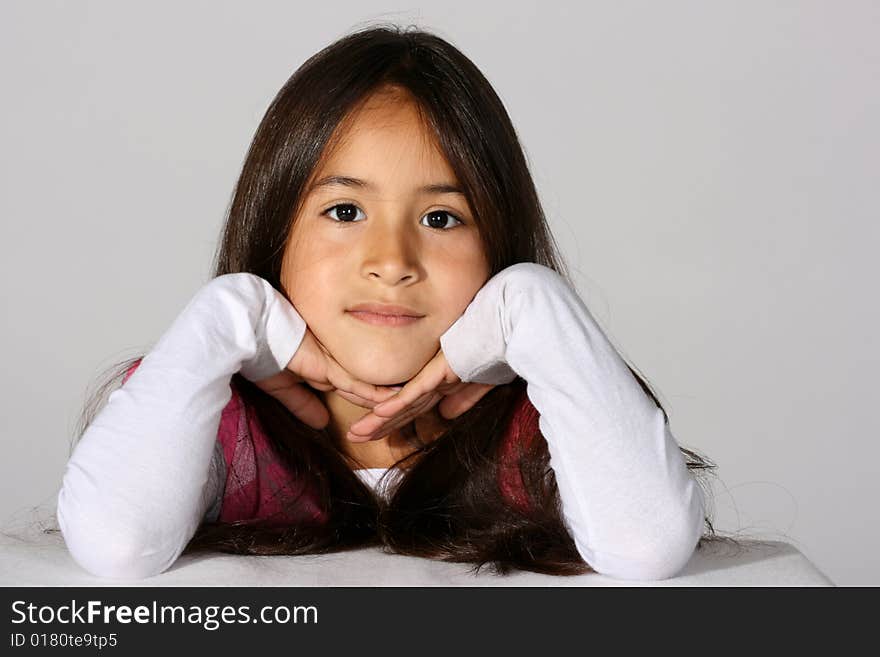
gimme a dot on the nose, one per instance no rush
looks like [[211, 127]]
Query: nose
[[390, 254]]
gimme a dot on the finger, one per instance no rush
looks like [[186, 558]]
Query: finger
[[375, 428], [423, 383], [463, 400], [304, 404], [355, 399], [319, 385], [282, 379], [463, 397], [384, 392], [342, 380], [371, 425], [408, 417], [371, 422]]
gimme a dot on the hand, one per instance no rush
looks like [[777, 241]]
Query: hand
[[434, 382], [313, 364]]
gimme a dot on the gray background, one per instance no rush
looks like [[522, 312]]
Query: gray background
[[710, 170]]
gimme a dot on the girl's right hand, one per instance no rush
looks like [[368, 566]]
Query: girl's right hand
[[313, 364]]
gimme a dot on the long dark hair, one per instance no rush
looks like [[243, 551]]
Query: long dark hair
[[448, 504]]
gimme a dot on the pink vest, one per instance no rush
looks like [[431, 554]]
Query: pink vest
[[258, 482]]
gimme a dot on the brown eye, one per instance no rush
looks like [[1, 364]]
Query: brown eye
[[347, 212], [437, 219]]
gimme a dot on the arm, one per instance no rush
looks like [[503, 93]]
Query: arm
[[212, 493], [632, 507], [137, 484]]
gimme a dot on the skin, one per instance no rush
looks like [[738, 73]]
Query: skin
[[385, 244]]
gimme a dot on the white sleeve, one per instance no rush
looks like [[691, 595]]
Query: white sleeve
[[144, 474], [633, 508]]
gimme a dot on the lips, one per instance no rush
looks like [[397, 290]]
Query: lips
[[377, 319], [386, 309]]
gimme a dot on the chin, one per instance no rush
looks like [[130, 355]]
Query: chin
[[393, 379], [381, 369], [385, 381]]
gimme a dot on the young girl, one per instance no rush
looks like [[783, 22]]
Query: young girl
[[389, 354]]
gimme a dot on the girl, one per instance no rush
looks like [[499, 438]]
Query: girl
[[389, 354]]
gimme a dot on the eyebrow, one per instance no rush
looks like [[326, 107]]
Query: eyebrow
[[348, 181]]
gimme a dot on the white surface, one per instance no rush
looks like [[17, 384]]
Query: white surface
[[45, 561]]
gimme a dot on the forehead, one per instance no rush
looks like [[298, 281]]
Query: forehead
[[386, 140]]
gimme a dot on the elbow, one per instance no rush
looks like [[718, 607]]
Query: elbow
[[658, 563], [662, 555], [108, 551], [664, 561]]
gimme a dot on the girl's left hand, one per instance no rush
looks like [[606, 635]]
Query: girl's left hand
[[434, 382]]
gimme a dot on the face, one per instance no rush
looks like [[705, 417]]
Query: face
[[389, 240]]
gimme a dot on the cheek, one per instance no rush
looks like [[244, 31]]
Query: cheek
[[462, 280], [312, 279]]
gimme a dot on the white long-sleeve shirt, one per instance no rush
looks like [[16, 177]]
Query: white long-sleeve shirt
[[149, 468]]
